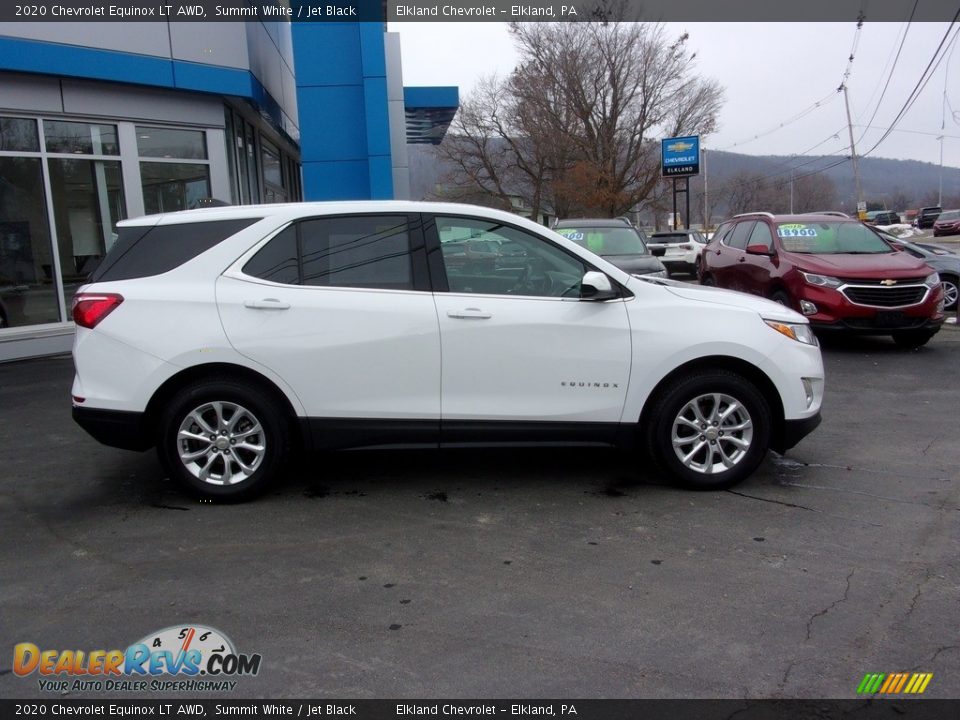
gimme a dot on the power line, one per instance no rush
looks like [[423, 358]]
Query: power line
[[789, 121], [894, 67], [911, 132], [921, 84]]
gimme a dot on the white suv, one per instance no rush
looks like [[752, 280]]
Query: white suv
[[231, 337]]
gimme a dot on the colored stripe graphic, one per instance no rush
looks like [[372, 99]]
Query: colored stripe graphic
[[894, 683]]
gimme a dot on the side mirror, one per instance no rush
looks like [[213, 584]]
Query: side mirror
[[596, 286], [759, 250]]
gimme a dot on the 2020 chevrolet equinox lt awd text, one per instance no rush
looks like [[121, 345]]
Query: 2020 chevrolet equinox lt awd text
[[230, 337]]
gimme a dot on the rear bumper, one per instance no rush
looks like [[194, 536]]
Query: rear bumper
[[116, 428], [794, 431]]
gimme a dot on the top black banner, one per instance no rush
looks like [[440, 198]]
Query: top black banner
[[477, 10]]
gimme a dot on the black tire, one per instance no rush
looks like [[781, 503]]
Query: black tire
[[275, 437], [955, 282], [708, 281], [673, 398], [913, 339], [696, 267], [779, 296]]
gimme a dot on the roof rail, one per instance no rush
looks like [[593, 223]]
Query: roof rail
[[833, 213], [757, 212]]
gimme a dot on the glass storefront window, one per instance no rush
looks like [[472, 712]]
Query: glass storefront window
[[88, 203], [27, 285], [273, 188], [167, 143], [18, 134], [80, 138], [173, 186]]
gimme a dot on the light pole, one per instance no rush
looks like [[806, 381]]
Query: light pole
[[940, 193], [706, 196]]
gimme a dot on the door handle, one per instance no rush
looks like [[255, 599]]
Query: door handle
[[267, 304], [469, 314], [743, 259]]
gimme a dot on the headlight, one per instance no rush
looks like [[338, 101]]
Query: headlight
[[931, 280], [822, 280], [800, 332]]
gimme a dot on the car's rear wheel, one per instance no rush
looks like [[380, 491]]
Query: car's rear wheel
[[913, 339], [709, 430], [223, 440], [951, 291]]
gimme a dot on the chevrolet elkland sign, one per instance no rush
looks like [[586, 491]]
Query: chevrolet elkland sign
[[680, 156]]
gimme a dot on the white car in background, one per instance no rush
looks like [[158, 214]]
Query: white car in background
[[229, 337], [678, 250]]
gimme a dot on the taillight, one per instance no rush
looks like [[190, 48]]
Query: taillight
[[90, 308], [686, 247]]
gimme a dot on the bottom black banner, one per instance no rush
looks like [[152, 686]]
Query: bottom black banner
[[867, 709]]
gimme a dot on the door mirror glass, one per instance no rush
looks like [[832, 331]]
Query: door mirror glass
[[759, 249], [597, 286]]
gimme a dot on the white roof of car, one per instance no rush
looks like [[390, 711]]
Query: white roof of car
[[303, 209]]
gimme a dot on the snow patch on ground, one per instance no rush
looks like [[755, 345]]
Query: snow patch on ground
[[900, 230]]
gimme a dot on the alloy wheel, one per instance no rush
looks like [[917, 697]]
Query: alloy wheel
[[712, 433], [221, 443]]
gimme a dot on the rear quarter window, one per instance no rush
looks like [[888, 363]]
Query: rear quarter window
[[146, 251]]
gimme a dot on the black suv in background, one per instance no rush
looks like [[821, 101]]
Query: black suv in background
[[616, 240], [928, 216]]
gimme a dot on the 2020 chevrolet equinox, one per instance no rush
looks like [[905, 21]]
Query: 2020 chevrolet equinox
[[229, 337]]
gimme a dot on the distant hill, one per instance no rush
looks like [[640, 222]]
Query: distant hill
[[895, 184], [910, 182]]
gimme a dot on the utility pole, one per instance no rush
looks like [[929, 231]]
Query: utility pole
[[853, 155]]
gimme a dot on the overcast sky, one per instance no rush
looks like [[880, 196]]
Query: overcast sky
[[770, 72]]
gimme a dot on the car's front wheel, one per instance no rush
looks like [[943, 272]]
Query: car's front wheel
[[222, 439], [951, 291], [709, 430]]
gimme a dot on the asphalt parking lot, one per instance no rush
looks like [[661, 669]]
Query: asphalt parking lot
[[535, 573]]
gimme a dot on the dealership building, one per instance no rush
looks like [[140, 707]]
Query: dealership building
[[101, 121]]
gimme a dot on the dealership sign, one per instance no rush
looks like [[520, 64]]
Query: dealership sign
[[680, 156]]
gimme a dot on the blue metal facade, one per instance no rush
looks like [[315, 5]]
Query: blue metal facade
[[342, 100]]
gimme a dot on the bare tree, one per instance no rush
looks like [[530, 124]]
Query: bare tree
[[814, 192], [745, 192], [577, 124]]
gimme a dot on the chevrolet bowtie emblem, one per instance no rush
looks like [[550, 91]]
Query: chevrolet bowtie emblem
[[680, 146], [888, 282]]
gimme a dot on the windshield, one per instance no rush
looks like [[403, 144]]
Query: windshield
[[606, 241], [831, 238], [950, 215]]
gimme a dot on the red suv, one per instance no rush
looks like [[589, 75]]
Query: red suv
[[838, 272]]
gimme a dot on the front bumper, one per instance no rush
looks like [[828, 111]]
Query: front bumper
[[116, 428], [836, 312], [794, 431], [869, 326]]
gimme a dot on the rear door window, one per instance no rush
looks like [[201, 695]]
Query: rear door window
[[357, 251]]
